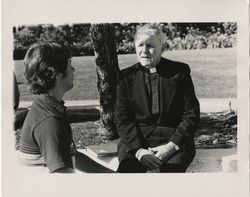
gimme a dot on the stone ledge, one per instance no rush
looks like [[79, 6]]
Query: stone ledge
[[212, 160], [206, 160]]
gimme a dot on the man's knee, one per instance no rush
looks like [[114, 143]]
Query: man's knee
[[179, 162], [174, 168], [131, 165]]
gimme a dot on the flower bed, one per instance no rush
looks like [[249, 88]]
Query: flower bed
[[217, 130]]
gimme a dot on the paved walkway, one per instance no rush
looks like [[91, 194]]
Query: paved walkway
[[211, 160]]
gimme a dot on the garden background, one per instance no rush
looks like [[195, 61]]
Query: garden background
[[208, 48]]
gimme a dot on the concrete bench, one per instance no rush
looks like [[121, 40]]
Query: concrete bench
[[206, 160], [213, 160]]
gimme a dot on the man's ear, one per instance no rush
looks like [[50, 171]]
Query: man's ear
[[59, 76]]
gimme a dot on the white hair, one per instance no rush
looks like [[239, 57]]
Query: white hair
[[151, 29]]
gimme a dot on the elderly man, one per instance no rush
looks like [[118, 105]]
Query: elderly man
[[157, 111], [46, 138]]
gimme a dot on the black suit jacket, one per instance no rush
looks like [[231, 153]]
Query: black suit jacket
[[178, 114]]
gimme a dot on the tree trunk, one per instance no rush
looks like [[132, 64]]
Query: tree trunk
[[103, 38]]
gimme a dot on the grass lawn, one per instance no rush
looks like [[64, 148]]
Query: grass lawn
[[214, 73]]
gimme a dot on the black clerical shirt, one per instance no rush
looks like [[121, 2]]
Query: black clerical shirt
[[152, 85]]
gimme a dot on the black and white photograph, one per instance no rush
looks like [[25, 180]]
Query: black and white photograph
[[115, 105], [206, 122]]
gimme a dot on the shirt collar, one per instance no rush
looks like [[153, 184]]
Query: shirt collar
[[148, 70], [53, 102], [152, 70]]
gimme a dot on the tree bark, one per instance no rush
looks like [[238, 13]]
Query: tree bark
[[103, 38]]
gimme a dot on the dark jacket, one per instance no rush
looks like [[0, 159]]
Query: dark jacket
[[179, 108]]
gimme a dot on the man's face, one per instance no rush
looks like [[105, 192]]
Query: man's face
[[148, 50]]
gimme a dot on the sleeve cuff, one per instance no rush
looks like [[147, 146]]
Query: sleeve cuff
[[141, 152], [133, 152], [137, 154], [176, 138], [175, 146]]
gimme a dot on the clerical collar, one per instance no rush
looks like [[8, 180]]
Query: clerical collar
[[149, 70], [152, 70]]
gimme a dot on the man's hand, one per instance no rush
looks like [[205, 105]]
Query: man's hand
[[164, 152], [148, 160], [151, 162]]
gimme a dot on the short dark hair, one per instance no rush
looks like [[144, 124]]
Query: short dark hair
[[42, 62]]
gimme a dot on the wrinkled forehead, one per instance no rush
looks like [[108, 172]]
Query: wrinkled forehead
[[148, 38], [148, 32]]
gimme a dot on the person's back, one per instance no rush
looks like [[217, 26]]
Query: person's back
[[46, 137], [45, 118]]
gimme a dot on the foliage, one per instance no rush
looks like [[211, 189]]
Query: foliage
[[218, 130], [76, 37], [180, 36]]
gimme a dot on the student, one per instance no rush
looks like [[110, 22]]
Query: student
[[46, 137]]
